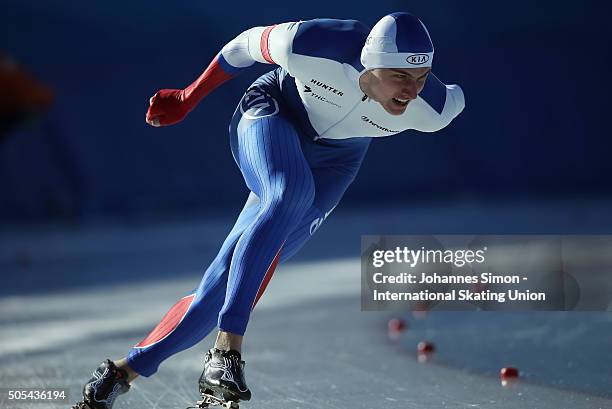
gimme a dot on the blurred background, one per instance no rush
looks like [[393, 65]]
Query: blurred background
[[106, 221], [76, 82], [83, 177]]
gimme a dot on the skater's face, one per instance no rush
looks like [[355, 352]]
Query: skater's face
[[394, 88]]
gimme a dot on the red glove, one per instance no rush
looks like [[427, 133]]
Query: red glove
[[167, 107], [170, 106]]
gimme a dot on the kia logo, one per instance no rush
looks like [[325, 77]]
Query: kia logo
[[417, 59]]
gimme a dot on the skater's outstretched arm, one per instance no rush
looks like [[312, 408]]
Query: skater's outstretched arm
[[268, 45]]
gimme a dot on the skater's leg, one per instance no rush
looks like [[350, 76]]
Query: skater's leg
[[170, 335], [226, 341], [334, 167], [274, 167], [195, 315], [123, 364], [331, 181], [331, 184]]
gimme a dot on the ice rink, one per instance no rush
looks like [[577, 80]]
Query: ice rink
[[78, 295]]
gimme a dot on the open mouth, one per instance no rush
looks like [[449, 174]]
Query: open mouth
[[401, 102]]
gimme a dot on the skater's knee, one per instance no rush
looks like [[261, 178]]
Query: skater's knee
[[285, 210], [291, 199]]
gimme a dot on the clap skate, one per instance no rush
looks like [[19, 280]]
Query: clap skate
[[107, 382], [222, 381]]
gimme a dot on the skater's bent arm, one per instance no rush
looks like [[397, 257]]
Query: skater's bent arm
[[269, 45], [448, 101]]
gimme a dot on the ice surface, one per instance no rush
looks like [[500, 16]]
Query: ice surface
[[308, 344]]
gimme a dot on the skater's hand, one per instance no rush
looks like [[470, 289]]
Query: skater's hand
[[167, 107]]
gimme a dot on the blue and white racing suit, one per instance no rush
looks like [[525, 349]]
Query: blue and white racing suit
[[299, 136]]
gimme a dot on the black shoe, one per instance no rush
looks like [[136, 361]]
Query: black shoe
[[224, 374], [107, 382]]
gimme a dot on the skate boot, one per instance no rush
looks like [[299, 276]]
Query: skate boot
[[105, 385], [224, 375]]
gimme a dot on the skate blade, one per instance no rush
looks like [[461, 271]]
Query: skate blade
[[209, 399]]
